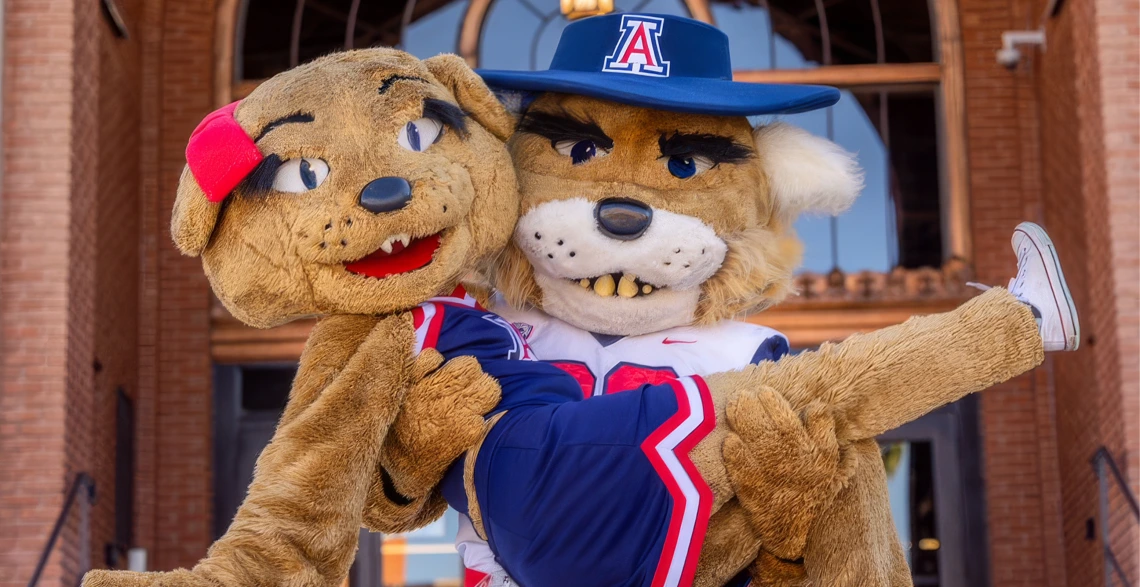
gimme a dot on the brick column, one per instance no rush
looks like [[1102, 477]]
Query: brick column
[[1017, 418], [175, 476], [1088, 82], [46, 276]]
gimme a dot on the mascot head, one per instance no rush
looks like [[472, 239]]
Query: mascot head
[[648, 199], [363, 183]]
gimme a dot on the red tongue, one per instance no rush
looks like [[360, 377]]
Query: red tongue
[[402, 259]]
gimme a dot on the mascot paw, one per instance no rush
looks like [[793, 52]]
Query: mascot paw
[[177, 578], [441, 417], [783, 466]]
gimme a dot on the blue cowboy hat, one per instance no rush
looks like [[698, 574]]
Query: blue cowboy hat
[[657, 61]]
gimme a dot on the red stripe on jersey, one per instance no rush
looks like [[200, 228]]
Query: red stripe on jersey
[[581, 373], [427, 319], [627, 376], [473, 578], [458, 297], [668, 450]]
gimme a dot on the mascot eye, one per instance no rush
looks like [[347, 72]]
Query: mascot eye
[[580, 151], [684, 167], [300, 175], [420, 134]]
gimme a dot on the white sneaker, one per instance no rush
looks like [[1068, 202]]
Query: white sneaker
[[1041, 285]]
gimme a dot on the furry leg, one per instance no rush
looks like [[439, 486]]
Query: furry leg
[[854, 543], [878, 381]]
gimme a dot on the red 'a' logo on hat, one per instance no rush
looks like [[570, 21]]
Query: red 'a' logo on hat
[[639, 50]]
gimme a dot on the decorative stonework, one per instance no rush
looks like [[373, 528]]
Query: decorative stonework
[[829, 307], [900, 285]]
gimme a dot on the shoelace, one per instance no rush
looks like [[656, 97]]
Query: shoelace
[[1015, 283], [1017, 295]]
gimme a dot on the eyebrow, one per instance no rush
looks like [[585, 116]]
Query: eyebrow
[[259, 182], [447, 113], [716, 148], [387, 83], [298, 117], [564, 127]]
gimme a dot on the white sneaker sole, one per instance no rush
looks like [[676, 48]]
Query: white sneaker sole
[[1066, 310]]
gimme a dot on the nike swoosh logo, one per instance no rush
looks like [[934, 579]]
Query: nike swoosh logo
[[670, 341]]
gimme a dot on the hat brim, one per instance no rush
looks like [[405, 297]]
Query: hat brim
[[677, 94]]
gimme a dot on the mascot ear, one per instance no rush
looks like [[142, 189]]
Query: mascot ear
[[806, 173], [194, 216], [473, 95]]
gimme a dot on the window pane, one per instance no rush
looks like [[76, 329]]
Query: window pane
[[864, 237], [896, 220], [437, 32], [858, 31]]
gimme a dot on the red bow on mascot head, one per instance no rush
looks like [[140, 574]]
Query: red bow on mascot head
[[220, 153]]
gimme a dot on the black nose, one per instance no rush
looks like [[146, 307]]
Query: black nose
[[385, 194], [622, 218]]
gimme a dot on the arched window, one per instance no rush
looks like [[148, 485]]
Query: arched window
[[895, 61]]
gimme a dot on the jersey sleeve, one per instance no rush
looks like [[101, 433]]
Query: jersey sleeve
[[456, 330], [771, 348]]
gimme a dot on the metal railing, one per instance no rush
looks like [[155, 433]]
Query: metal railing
[[1106, 471], [82, 481]]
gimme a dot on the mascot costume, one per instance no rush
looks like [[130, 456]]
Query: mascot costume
[[653, 213], [626, 488], [361, 188]]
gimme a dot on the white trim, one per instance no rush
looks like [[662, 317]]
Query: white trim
[[422, 330], [666, 449]]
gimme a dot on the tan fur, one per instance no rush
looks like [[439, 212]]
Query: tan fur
[[756, 274], [272, 259], [338, 457], [734, 200], [782, 488]]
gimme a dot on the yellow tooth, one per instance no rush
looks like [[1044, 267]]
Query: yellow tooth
[[647, 289], [626, 287], [585, 283], [604, 286]]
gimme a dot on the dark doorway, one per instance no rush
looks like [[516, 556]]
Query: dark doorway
[[248, 401], [934, 471]]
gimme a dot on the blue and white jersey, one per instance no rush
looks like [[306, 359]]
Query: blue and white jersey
[[604, 365], [577, 492], [607, 364]]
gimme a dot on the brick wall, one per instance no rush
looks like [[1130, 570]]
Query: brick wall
[[92, 293], [177, 296], [37, 259], [1088, 84], [1019, 438], [116, 251]]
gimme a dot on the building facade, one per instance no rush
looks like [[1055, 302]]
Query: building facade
[[120, 367]]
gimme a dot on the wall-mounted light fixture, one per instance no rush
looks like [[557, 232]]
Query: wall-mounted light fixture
[[1009, 55]]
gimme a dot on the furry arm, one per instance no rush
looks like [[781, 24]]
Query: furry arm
[[783, 468], [299, 523], [441, 418]]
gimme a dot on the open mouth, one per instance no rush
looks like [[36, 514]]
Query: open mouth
[[623, 285], [399, 254]]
